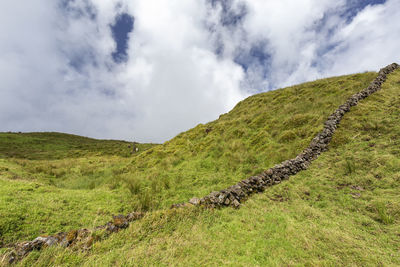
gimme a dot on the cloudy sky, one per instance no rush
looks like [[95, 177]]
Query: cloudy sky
[[146, 70]]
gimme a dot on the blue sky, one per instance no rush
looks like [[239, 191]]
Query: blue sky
[[121, 28], [146, 70]]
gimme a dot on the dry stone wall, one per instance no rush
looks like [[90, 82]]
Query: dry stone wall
[[235, 194], [82, 238]]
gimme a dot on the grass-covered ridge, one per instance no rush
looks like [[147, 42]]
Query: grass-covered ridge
[[258, 133], [53, 145], [343, 210]]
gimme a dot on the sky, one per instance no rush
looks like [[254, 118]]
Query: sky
[[146, 70]]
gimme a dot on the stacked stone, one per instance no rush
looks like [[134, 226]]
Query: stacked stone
[[83, 237], [234, 195]]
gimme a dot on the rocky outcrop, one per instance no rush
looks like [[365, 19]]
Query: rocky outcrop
[[235, 194]]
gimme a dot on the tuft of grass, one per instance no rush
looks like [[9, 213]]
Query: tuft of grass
[[134, 185], [350, 166], [383, 214]]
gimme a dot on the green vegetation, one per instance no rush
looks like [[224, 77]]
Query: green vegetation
[[344, 210], [51, 146], [51, 182]]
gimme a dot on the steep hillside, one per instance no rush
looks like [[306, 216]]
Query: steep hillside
[[343, 210], [258, 133]]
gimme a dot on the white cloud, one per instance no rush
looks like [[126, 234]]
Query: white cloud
[[369, 42], [172, 78], [57, 71], [171, 82]]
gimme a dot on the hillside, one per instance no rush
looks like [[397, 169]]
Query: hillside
[[51, 146], [50, 181], [344, 209]]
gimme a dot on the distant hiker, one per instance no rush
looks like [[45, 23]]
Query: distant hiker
[[134, 148]]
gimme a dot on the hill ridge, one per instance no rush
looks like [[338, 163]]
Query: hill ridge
[[233, 195]]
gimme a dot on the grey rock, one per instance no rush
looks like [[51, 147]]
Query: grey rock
[[227, 201], [236, 203], [51, 241], [194, 201]]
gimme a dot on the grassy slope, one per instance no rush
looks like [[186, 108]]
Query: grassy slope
[[320, 216], [52, 146], [52, 181], [259, 132]]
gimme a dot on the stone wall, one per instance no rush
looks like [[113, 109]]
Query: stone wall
[[235, 194], [82, 238]]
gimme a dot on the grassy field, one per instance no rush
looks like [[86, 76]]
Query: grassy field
[[344, 210], [52, 181]]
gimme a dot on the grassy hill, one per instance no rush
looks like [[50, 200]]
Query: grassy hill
[[52, 146], [53, 181], [344, 210]]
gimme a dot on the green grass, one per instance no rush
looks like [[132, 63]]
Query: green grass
[[51, 182], [52, 145], [259, 132], [28, 209], [344, 210]]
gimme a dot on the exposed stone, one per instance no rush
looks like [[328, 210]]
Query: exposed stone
[[134, 216], [177, 205], [71, 236], [194, 201], [81, 237], [120, 221], [227, 201], [89, 242]]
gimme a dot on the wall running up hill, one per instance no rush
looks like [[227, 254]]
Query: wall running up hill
[[231, 196], [235, 194]]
